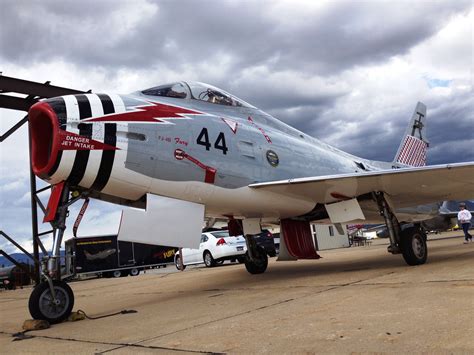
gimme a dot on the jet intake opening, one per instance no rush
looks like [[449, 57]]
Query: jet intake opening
[[43, 125]]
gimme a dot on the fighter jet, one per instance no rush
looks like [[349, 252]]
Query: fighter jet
[[447, 218], [99, 255], [184, 152]]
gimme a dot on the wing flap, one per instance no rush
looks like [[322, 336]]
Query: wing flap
[[406, 187]]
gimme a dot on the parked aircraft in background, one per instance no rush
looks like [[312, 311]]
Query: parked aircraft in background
[[187, 151], [447, 218], [444, 220]]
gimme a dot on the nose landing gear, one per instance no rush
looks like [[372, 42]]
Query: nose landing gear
[[52, 299]]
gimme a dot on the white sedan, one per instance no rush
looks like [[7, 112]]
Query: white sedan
[[215, 247]]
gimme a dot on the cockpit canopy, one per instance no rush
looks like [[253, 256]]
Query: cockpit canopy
[[196, 91]]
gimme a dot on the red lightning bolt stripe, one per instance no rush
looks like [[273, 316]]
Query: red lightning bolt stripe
[[147, 113]]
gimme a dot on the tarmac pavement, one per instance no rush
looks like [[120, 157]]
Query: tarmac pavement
[[354, 300]]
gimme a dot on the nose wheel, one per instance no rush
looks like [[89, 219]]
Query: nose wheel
[[53, 308]]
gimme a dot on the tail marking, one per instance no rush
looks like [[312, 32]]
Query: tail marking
[[413, 152]]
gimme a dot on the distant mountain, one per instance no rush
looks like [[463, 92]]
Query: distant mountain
[[20, 257]]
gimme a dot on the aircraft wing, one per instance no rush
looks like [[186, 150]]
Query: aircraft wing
[[406, 187]]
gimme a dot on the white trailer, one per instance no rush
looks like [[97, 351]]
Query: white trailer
[[326, 236]]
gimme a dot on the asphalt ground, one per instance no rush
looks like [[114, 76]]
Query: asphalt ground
[[355, 300]]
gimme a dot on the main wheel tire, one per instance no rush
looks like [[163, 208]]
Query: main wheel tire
[[208, 259], [42, 306], [413, 245], [177, 263], [259, 264], [134, 272]]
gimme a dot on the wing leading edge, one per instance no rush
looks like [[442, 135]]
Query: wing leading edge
[[407, 187]]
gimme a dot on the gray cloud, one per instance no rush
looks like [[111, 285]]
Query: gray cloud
[[449, 128], [172, 34], [451, 131]]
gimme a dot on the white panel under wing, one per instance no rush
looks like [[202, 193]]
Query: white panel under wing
[[251, 225], [166, 221], [344, 211]]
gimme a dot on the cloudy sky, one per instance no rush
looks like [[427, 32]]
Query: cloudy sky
[[346, 72]]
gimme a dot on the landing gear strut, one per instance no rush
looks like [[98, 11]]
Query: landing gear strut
[[256, 260], [410, 242], [53, 299]]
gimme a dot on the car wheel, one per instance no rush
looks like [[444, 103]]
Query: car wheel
[[208, 259], [117, 273], [177, 263], [134, 272]]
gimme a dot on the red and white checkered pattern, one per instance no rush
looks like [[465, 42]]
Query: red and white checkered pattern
[[413, 152]]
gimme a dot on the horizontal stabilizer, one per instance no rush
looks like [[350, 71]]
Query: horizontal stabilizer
[[166, 221]]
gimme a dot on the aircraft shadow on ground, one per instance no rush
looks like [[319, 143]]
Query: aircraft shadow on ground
[[235, 278], [383, 264]]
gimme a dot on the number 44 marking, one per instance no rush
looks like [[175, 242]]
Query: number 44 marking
[[203, 139]]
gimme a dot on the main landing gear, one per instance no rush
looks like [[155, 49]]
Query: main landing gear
[[256, 260], [52, 299], [410, 241]]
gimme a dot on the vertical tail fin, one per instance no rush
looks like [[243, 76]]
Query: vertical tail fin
[[412, 149]]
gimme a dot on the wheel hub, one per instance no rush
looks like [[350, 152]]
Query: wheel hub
[[53, 308], [418, 247]]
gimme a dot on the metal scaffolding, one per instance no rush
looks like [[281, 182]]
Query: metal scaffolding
[[32, 92]]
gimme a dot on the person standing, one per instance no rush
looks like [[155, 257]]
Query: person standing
[[464, 218]]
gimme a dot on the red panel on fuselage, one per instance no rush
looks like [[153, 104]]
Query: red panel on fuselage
[[298, 239]]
